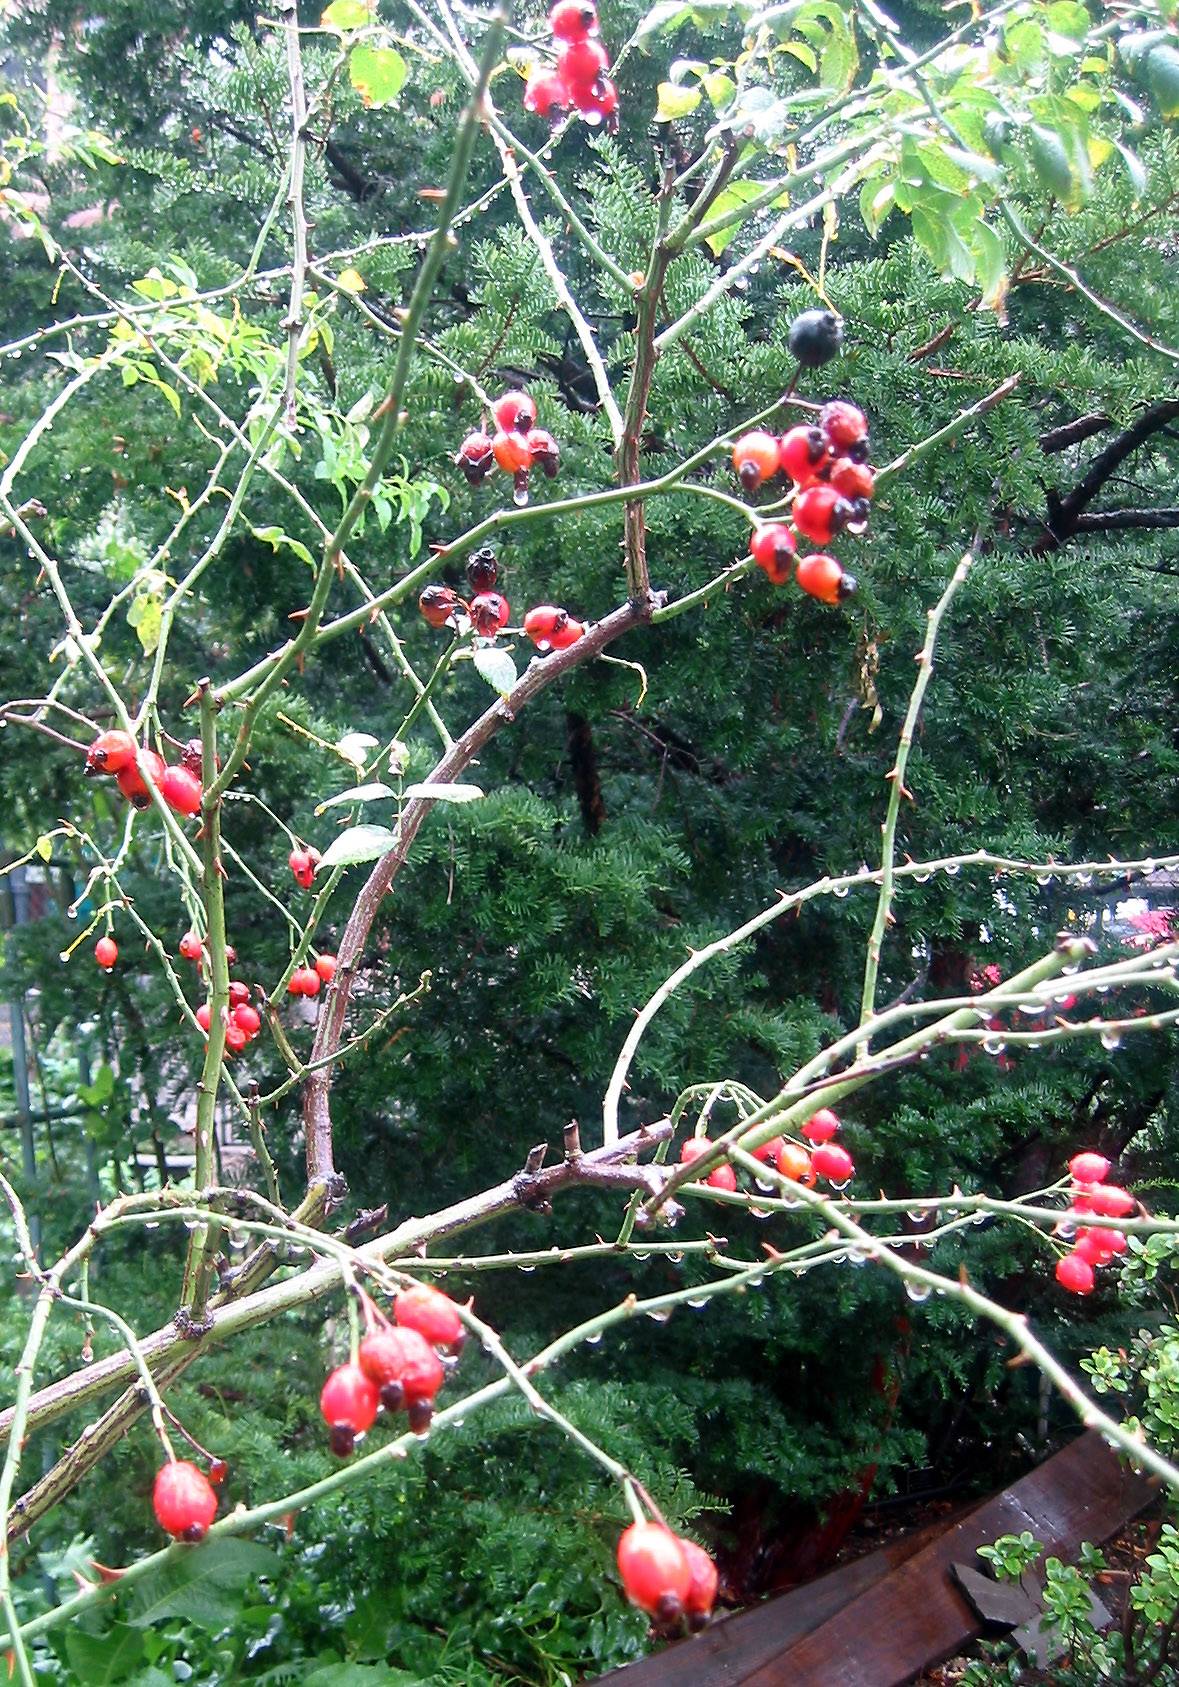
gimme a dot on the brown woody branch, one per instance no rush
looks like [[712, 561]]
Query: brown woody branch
[[1066, 517]]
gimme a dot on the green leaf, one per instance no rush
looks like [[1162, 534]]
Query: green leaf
[[201, 1583], [1162, 78], [1050, 160], [277, 539], [445, 793], [990, 265], [1135, 169], [734, 196], [358, 793], [877, 196], [675, 102], [44, 846], [100, 1658], [378, 74], [496, 667], [360, 1675], [347, 14], [357, 844], [663, 18]]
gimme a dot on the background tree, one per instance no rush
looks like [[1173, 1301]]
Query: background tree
[[949, 216]]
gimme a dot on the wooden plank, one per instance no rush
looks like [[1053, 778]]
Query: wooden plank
[[880, 1620], [727, 1650], [917, 1617]]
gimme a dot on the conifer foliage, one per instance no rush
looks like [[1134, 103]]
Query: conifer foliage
[[472, 488]]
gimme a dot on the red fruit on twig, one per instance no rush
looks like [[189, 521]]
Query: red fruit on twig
[[181, 790], [183, 1501], [823, 577], [773, 549], [431, 1313], [106, 953], [134, 783], [755, 458], [656, 1575], [349, 1401], [515, 412], [1075, 1274], [110, 753]]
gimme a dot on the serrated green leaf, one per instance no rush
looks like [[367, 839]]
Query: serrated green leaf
[[200, 1584], [99, 1659], [1050, 160], [496, 667], [377, 73], [359, 793], [357, 844], [734, 196], [444, 792]]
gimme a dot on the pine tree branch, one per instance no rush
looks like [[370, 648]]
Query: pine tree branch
[[1071, 433], [1110, 521]]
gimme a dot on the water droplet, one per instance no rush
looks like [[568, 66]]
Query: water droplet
[[152, 1224], [1111, 1039], [766, 1188], [398, 1450], [918, 1291], [922, 878], [953, 869], [658, 1314], [640, 1256], [761, 1212], [921, 1215], [592, 1341], [520, 497], [840, 891], [993, 1045], [697, 1302], [856, 1256], [526, 1269], [1065, 1230]]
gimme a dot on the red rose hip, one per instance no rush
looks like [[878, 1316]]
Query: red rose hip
[[183, 1501], [349, 1401], [655, 1571], [755, 458], [773, 549], [1075, 1274], [431, 1313], [110, 753], [822, 577], [106, 953], [181, 790]]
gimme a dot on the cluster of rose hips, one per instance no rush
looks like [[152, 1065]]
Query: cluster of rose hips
[[307, 980], [834, 483], [823, 1158], [578, 82], [670, 1578], [1094, 1245], [517, 446], [396, 1365], [243, 1021], [488, 611], [134, 769]]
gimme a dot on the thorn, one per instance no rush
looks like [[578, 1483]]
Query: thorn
[[298, 615], [194, 697], [104, 1571]]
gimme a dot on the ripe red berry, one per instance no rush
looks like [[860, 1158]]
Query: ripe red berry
[[1075, 1274], [573, 20], [218, 1471], [833, 1162], [1089, 1167], [802, 452], [772, 548], [235, 1038], [325, 966], [489, 612], [475, 457], [483, 570], [795, 1163], [701, 1594], [181, 790], [204, 1017], [1111, 1202], [656, 1575], [349, 1401], [1099, 1246], [544, 449], [721, 1177], [598, 103], [406, 1369], [580, 64], [511, 452], [546, 95], [106, 953], [431, 1313], [183, 1501], [304, 981], [566, 633], [823, 577], [133, 782], [769, 1151], [540, 623], [190, 946], [755, 458], [844, 424], [852, 480], [110, 753], [247, 1019], [439, 605], [238, 992], [515, 412], [820, 513], [303, 862], [821, 1126]]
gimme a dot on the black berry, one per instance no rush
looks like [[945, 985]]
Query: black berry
[[815, 337]]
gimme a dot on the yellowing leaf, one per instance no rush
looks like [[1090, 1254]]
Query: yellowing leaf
[[378, 74], [347, 14], [675, 102], [351, 281]]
